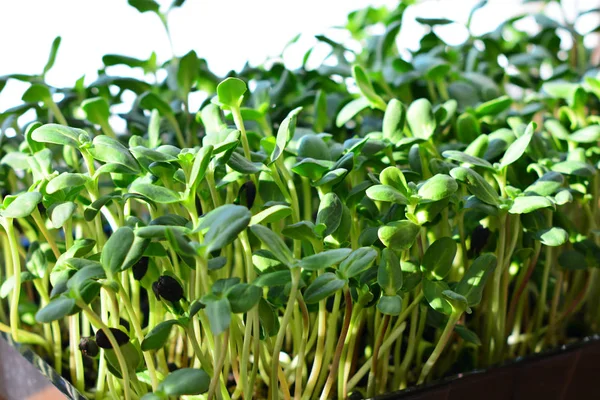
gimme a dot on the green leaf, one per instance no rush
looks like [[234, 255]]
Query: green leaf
[[478, 147], [546, 185], [472, 284], [393, 121], [321, 288], [83, 283], [576, 168], [21, 205], [56, 310], [366, 88], [52, 56], [313, 146], [36, 93], [185, 381], [457, 301], [275, 278], [389, 273], [303, 230], [111, 151], [158, 336], [552, 237], [201, 161], [274, 243], [241, 164], [122, 250], [272, 214], [434, 21], [155, 193], [590, 134], [494, 107], [332, 177], [398, 235], [311, 168], [243, 297], [527, 204], [188, 71], [325, 259], [218, 311], [96, 110], [433, 294], [350, 110], [230, 93], [438, 187], [285, 133], [556, 129], [563, 197], [59, 134], [224, 224], [476, 185], [392, 176], [66, 180], [467, 128], [467, 335], [421, 119], [321, 118], [390, 304], [144, 5], [8, 285], [358, 261], [386, 194], [438, 259], [60, 213], [330, 213], [459, 156], [151, 101], [518, 147]]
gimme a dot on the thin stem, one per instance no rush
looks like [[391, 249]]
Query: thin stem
[[441, 345], [281, 334], [76, 355], [340, 345], [302, 349], [16, 292], [96, 321], [42, 227], [56, 111], [217, 371], [138, 332], [391, 339], [374, 364]]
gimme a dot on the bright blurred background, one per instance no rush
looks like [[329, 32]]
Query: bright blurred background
[[227, 33]]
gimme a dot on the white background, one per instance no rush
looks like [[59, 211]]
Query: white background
[[225, 32]]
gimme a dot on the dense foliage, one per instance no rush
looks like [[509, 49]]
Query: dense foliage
[[361, 227]]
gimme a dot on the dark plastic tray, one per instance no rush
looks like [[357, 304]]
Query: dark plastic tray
[[569, 372], [565, 373]]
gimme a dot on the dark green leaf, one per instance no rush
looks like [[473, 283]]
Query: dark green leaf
[[243, 297], [438, 187], [472, 284], [185, 381], [358, 261], [330, 213], [324, 286], [527, 204], [324, 259], [438, 259], [21, 205], [274, 243], [285, 133], [398, 235]]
